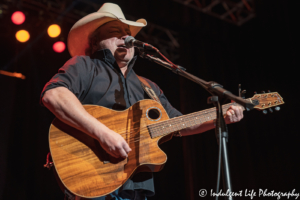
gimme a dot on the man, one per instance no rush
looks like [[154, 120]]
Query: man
[[100, 73]]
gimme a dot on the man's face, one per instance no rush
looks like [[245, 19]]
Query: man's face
[[112, 36]]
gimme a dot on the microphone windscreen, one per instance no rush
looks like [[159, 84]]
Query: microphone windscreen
[[129, 41]]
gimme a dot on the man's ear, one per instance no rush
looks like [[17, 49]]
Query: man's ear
[[95, 46]]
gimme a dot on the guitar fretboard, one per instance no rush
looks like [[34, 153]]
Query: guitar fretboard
[[185, 121]]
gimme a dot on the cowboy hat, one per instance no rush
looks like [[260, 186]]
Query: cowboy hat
[[78, 38]]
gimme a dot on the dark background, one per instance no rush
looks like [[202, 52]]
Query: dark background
[[260, 55]]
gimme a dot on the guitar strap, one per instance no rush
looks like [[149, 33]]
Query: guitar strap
[[147, 88]]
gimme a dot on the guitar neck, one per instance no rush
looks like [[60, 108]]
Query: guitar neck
[[185, 121]]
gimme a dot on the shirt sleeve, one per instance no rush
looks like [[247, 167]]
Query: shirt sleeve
[[172, 112], [76, 75]]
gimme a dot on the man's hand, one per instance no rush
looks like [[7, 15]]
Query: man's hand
[[234, 114], [114, 144]]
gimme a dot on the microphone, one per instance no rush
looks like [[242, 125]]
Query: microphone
[[132, 42]]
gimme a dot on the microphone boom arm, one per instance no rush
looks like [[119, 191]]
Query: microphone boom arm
[[212, 87]]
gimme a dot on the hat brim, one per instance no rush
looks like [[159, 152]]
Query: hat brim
[[78, 38]]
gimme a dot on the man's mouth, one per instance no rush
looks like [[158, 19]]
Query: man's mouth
[[122, 46]]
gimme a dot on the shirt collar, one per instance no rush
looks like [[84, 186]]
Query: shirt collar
[[106, 56]]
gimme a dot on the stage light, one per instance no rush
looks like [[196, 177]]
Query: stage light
[[59, 46], [54, 30], [12, 74], [18, 17], [22, 36]]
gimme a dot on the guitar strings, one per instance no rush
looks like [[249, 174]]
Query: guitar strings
[[192, 115], [188, 116], [177, 119], [153, 126], [156, 125]]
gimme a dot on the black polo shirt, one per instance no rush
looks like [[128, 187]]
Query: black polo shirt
[[99, 81]]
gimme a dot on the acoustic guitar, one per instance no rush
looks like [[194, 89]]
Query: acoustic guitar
[[86, 170]]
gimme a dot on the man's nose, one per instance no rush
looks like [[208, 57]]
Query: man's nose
[[124, 36]]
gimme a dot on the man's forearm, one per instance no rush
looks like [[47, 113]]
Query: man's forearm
[[66, 107]]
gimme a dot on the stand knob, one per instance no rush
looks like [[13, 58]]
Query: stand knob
[[241, 93]]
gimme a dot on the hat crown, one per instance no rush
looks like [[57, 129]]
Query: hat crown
[[113, 9]]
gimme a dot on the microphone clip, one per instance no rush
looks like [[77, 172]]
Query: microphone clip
[[143, 52]]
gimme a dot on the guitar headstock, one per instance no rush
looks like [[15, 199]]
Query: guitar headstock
[[266, 100]]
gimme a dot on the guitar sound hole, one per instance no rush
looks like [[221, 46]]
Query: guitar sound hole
[[153, 114]]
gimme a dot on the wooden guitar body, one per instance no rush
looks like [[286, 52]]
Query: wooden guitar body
[[87, 170]]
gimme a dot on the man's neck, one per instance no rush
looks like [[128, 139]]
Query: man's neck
[[123, 67]]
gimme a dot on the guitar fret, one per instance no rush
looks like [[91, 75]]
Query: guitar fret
[[164, 131], [199, 118], [193, 120], [184, 124], [165, 127], [187, 123], [177, 125], [173, 127]]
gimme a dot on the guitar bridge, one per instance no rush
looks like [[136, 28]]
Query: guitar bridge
[[111, 159]]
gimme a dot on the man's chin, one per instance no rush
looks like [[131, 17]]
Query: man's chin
[[123, 57]]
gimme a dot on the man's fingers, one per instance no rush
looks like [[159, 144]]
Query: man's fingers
[[238, 109], [123, 153], [232, 112], [239, 112], [126, 148]]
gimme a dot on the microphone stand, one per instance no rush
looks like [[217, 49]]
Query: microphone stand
[[218, 93]]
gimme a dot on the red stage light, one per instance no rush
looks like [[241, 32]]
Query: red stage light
[[59, 46], [18, 17]]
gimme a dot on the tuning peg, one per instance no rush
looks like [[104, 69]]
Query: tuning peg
[[255, 92], [243, 94], [271, 110], [265, 112], [269, 91], [263, 92], [277, 108]]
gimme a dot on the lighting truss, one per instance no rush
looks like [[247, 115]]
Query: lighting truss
[[164, 39], [233, 11]]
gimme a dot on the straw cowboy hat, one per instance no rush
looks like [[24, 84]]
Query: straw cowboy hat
[[78, 38]]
